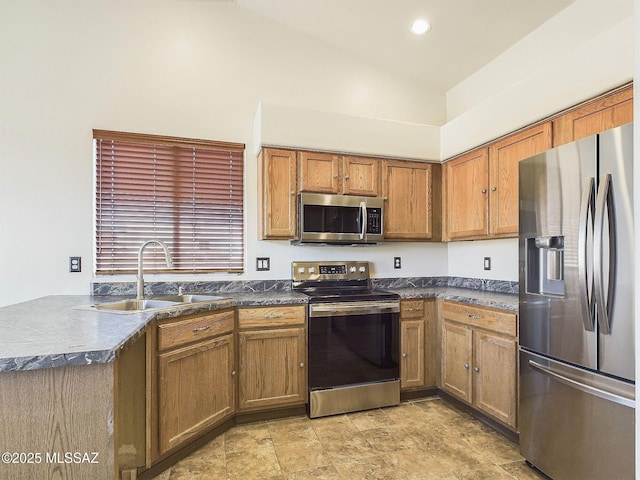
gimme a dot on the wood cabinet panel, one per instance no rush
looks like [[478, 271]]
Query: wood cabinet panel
[[273, 316], [195, 389], [479, 366], [194, 328], [361, 176], [412, 348], [495, 320], [606, 112], [407, 188], [504, 156], [457, 344], [273, 370], [277, 190], [467, 183], [494, 375], [319, 172]]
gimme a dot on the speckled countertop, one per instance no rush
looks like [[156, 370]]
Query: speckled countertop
[[53, 331]]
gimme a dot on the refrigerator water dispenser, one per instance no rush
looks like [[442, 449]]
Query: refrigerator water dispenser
[[545, 265]]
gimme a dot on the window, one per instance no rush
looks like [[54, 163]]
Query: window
[[187, 193]]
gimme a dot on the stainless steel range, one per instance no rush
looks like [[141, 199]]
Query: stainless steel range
[[353, 338]]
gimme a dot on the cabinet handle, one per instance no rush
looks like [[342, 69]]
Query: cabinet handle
[[301, 364], [493, 189], [272, 317], [414, 310], [476, 369], [466, 365], [484, 190], [404, 355], [233, 373], [475, 317], [200, 329]]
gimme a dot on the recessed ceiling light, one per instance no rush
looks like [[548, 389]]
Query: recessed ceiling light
[[420, 26]]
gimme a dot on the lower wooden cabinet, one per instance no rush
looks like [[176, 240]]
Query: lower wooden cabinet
[[417, 344], [272, 343], [195, 376], [479, 359]]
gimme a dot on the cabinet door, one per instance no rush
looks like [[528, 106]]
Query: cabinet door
[[195, 389], [467, 179], [457, 342], [503, 169], [494, 372], [319, 172], [412, 345], [408, 209], [277, 185], [361, 176], [607, 112], [273, 370]]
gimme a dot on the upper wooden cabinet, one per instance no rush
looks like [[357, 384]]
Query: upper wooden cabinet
[[467, 183], [337, 174], [482, 185], [277, 193], [594, 117], [504, 156], [411, 191]]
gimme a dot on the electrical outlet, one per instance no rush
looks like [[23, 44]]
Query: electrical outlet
[[397, 263], [262, 264], [487, 263], [75, 264]]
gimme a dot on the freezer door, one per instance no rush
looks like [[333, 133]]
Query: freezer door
[[614, 253], [575, 423], [557, 199]]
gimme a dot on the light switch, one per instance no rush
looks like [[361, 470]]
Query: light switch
[[487, 263]]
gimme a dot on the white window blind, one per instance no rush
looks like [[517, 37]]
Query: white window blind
[[188, 193]]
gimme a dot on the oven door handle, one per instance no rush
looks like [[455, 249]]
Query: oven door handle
[[352, 308]]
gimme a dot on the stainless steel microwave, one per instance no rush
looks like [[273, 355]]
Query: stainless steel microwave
[[341, 219]]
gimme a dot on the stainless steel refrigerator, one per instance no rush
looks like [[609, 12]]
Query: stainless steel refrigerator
[[576, 318]]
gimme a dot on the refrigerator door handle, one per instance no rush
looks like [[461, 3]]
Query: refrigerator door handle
[[604, 303], [587, 206], [612, 397]]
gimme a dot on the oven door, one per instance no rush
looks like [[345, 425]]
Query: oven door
[[352, 343]]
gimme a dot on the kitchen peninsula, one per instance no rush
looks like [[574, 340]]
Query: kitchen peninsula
[[74, 380]]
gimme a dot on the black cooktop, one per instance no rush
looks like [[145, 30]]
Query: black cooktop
[[346, 294]]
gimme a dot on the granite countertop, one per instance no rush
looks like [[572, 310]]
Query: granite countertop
[[484, 298], [59, 330]]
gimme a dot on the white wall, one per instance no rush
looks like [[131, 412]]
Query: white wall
[[193, 69]]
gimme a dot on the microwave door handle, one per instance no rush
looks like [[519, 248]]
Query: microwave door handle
[[363, 224]]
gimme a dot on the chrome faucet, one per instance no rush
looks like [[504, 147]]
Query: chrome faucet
[[167, 257]]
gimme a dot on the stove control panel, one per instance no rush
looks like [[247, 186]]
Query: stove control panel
[[303, 271]]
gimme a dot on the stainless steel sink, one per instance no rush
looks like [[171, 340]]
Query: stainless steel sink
[[188, 298], [134, 305], [161, 302]]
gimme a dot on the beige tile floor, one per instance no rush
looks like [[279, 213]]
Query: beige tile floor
[[426, 439]]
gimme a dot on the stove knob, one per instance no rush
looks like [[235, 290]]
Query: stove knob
[[352, 269], [300, 269], [362, 269], [312, 269]]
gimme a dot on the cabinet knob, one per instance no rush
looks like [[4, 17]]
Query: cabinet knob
[[335, 176], [346, 177], [476, 369], [404, 355], [493, 189], [233, 373], [293, 192], [466, 365], [301, 364], [484, 190]]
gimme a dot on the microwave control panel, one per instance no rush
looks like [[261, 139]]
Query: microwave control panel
[[374, 220]]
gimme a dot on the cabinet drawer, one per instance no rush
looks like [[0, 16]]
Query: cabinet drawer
[[271, 316], [494, 320], [192, 328], [412, 308]]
